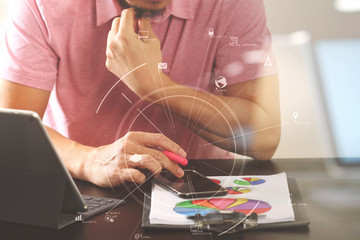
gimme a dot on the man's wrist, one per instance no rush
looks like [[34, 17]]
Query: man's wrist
[[164, 87], [78, 167]]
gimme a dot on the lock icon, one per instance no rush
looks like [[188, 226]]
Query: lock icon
[[211, 32]]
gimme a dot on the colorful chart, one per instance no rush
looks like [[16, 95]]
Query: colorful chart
[[205, 206], [234, 190], [249, 181], [237, 190]]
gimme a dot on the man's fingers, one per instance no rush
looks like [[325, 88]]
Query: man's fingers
[[115, 26], [131, 175], [145, 25], [132, 148], [145, 161], [127, 21], [111, 35], [156, 140], [114, 29], [158, 156]]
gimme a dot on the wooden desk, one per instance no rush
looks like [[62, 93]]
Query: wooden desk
[[333, 206]]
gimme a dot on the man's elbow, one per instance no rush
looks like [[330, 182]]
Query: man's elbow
[[265, 146]]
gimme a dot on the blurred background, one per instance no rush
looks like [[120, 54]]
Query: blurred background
[[317, 47], [3, 14]]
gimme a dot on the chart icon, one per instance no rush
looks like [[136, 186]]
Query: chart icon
[[205, 206], [249, 181], [237, 190]]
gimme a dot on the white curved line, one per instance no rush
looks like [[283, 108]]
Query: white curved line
[[117, 83]]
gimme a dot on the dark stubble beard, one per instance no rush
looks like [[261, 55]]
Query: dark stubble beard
[[141, 12]]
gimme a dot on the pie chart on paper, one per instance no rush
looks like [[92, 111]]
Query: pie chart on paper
[[249, 181], [205, 206], [237, 190]]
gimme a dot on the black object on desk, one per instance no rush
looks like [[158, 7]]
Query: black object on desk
[[36, 189], [224, 222]]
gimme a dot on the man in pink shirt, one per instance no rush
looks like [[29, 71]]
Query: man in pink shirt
[[182, 75]]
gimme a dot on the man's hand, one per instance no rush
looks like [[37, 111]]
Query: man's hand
[[116, 163], [126, 52]]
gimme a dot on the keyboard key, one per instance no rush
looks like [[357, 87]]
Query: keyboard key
[[97, 199], [87, 197], [94, 205]]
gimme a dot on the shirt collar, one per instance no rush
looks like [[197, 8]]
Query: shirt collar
[[109, 9]]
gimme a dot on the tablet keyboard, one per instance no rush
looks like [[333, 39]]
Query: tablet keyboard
[[97, 205]]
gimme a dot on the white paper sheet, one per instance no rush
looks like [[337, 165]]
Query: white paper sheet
[[269, 195]]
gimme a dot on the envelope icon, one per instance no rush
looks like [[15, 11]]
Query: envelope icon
[[162, 66]]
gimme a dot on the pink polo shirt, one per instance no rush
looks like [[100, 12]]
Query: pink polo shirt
[[59, 46]]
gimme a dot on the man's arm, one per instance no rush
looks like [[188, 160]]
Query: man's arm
[[252, 105], [105, 166], [245, 120], [18, 96]]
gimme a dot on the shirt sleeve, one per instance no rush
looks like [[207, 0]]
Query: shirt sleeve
[[26, 55], [244, 51]]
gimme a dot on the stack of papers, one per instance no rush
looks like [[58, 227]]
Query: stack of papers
[[268, 196]]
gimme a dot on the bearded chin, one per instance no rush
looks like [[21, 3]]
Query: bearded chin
[[142, 12]]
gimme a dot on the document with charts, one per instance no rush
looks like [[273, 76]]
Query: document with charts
[[268, 196]]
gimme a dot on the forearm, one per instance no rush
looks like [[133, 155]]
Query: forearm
[[260, 144], [74, 155], [232, 123], [220, 116]]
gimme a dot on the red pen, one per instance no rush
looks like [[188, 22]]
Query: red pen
[[175, 158]]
